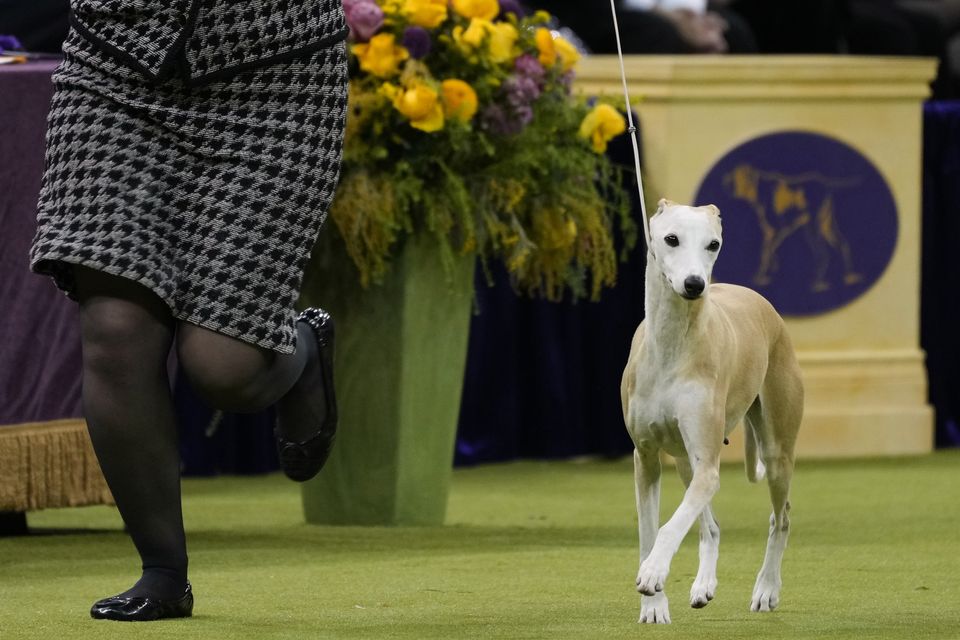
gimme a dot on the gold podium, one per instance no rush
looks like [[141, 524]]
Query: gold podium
[[866, 386]]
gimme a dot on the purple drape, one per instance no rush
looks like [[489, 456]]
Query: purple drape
[[940, 280], [39, 339]]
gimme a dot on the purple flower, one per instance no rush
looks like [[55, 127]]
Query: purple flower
[[500, 121], [528, 66], [523, 115], [417, 41], [365, 19], [10, 43], [511, 6], [494, 119], [521, 90]]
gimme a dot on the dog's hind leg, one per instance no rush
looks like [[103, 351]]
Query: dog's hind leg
[[781, 409], [766, 590], [754, 465], [654, 608], [705, 586]]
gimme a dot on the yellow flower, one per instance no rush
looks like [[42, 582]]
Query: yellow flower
[[486, 9], [459, 100], [391, 7], [472, 37], [428, 14], [381, 56], [569, 56], [553, 49], [418, 103], [390, 91], [602, 125], [503, 38]]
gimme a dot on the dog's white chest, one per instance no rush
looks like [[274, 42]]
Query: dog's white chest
[[654, 413]]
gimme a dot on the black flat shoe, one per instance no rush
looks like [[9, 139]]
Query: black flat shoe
[[303, 460], [143, 609]]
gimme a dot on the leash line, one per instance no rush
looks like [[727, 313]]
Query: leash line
[[631, 128]]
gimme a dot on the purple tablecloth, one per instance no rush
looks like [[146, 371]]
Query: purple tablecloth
[[39, 340]]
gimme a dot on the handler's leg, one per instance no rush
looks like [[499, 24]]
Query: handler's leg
[[237, 376], [126, 333]]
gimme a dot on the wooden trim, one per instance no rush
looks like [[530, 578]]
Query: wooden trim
[[698, 78]]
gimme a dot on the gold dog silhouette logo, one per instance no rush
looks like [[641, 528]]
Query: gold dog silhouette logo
[[783, 206], [814, 221]]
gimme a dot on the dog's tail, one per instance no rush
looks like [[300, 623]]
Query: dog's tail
[[756, 471]]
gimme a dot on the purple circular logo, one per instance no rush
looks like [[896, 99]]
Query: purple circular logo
[[808, 222]]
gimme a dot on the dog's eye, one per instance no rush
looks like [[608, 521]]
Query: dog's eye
[[672, 240], [713, 246]]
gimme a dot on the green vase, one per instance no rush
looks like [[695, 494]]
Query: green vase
[[401, 350]]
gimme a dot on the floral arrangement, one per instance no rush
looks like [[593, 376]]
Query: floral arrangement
[[463, 124]]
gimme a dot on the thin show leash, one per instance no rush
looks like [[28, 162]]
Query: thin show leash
[[632, 129]]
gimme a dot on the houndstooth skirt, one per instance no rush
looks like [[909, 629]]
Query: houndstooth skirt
[[210, 196]]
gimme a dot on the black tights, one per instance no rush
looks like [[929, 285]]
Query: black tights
[[127, 333]]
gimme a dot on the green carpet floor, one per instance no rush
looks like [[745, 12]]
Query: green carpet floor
[[532, 550]]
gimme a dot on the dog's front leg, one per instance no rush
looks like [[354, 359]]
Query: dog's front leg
[[705, 586], [704, 456], [646, 472]]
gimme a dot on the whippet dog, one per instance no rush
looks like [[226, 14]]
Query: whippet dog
[[706, 357]]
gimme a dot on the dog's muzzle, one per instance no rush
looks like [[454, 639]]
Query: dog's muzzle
[[693, 287]]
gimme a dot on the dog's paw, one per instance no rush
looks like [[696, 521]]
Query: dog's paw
[[702, 592], [766, 595], [652, 577], [654, 609]]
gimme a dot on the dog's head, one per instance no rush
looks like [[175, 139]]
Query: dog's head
[[685, 242]]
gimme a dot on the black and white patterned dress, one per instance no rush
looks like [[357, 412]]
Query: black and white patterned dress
[[194, 147]]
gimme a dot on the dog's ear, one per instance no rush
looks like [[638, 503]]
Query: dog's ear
[[664, 203], [712, 208]]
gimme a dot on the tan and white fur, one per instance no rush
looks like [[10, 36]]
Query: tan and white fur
[[706, 357]]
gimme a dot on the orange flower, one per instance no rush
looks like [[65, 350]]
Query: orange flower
[[548, 53], [459, 100], [555, 48]]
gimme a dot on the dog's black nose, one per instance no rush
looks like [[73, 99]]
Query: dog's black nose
[[694, 286]]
